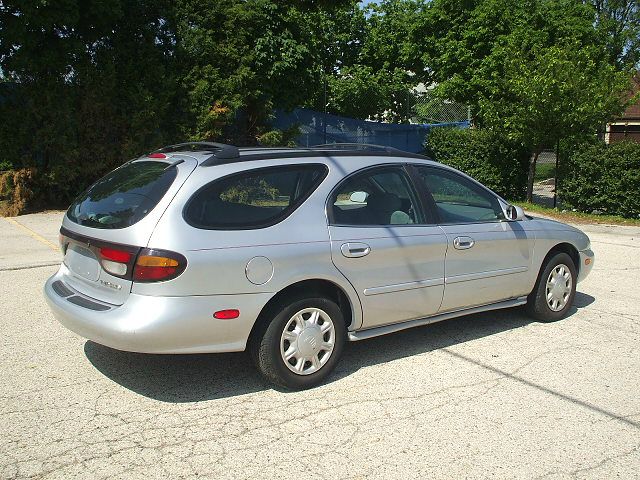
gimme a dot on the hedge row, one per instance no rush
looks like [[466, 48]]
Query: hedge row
[[600, 178], [487, 156]]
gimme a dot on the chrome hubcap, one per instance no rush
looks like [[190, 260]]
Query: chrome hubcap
[[307, 341], [559, 286]]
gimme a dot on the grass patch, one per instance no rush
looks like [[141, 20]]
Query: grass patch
[[544, 171], [578, 217]]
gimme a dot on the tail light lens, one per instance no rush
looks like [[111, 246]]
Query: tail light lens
[[115, 261], [154, 265], [115, 255]]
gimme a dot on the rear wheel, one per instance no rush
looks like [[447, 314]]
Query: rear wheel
[[555, 289], [302, 344]]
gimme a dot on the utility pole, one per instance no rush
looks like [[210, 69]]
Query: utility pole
[[324, 120]]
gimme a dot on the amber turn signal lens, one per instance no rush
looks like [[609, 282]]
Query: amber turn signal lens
[[152, 261]]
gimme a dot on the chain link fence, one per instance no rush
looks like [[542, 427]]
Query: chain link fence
[[427, 108], [545, 179]]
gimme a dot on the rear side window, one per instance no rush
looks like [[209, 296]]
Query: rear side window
[[253, 199], [123, 196]]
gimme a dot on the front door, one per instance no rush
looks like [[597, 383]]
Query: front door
[[488, 258], [382, 244]]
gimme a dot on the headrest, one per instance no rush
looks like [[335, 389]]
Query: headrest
[[388, 202]]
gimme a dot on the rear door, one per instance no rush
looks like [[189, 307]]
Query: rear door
[[382, 242], [488, 258], [106, 226]]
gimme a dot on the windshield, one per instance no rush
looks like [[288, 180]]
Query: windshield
[[123, 196]]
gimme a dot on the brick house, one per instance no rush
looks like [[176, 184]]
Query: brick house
[[627, 127]]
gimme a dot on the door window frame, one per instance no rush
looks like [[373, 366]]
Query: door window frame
[[467, 182], [423, 210]]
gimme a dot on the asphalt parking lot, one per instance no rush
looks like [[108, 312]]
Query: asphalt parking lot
[[485, 396]]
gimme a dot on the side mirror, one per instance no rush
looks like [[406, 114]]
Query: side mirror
[[513, 213], [358, 197]]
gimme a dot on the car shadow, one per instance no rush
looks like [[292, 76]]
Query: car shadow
[[200, 377]]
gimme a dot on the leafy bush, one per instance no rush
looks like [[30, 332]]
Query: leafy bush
[[602, 178], [16, 191], [280, 138], [487, 156]]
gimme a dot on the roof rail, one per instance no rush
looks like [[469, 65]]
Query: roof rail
[[355, 146], [220, 151]]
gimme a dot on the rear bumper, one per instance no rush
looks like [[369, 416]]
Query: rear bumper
[[149, 324], [587, 258]]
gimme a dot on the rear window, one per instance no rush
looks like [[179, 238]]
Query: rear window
[[253, 199], [123, 196]]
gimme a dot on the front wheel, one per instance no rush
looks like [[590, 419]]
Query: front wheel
[[555, 289], [302, 343]]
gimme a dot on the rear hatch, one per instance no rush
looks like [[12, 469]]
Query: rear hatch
[[107, 227]]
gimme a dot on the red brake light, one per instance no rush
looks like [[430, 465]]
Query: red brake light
[[156, 155], [115, 255], [227, 314]]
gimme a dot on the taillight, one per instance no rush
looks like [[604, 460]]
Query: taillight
[[115, 261], [115, 255], [158, 265]]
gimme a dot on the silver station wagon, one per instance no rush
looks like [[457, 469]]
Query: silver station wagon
[[289, 253]]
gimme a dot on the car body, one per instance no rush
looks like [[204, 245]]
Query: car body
[[223, 239]]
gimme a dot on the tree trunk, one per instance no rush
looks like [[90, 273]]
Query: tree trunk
[[532, 173]]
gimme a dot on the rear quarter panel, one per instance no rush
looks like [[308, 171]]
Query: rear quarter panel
[[298, 248]]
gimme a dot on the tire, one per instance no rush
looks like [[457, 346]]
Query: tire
[[548, 302], [313, 325]]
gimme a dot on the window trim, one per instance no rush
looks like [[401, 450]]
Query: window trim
[[286, 213], [468, 181], [421, 206]]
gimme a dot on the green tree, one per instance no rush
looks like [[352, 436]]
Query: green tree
[[368, 60], [86, 85], [619, 20], [242, 58], [538, 70]]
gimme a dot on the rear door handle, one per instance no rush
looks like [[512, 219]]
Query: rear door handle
[[463, 243], [355, 249]]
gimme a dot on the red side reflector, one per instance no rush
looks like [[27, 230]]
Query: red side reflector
[[156, 155], [115, 255], [227, 314]]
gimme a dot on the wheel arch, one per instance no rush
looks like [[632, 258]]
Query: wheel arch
[[311, 287], [564, 247]]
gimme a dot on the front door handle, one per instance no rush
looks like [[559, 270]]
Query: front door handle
[[355, 249], [463, 243]]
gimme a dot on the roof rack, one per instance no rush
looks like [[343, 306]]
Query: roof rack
[[354, 146], [220, 151], [223, 153]]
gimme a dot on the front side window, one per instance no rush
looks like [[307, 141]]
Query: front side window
[[381, 196], [457, 199], [254, 198]]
